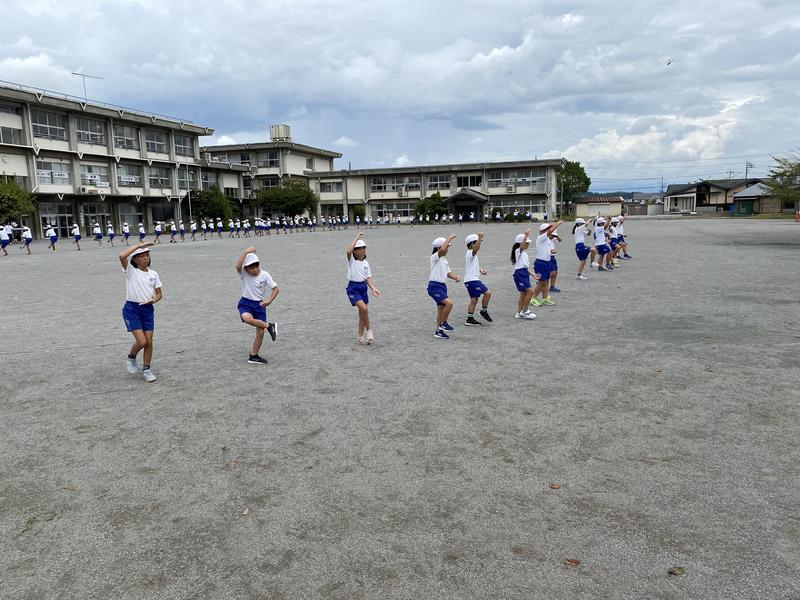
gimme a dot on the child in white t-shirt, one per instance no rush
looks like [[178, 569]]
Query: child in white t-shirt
[[142, 290], [76, 235], [110, 233], [4, 240], [359, 280], [253, 303], [437, 285], [472, 280], [50, 233], [27, 238]]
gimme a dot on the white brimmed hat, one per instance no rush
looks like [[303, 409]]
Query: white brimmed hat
[[614, 220], [580, 221], [519, 238], [543, 226], [250, 259], [439, 242], [139, 251], [360, 244], [600, 220], [472, 237]]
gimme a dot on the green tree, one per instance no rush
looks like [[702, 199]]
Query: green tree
[[572, 180], [292, 197], [430, 206], [785, 179], [213, 203], [14, 201]]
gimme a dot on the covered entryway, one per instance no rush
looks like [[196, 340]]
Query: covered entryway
[[466, 201]]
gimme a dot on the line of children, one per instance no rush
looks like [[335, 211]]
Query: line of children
[[359, 282]]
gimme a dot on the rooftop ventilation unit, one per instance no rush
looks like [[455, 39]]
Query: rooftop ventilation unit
[[280, 133]]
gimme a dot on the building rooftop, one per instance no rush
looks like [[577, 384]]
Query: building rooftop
[[597, 199], [270, 146], [754, 191], [551, 162], [26, 93]]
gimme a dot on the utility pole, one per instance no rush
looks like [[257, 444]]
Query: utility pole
[[730, 174], [84, 76], [747, 166]]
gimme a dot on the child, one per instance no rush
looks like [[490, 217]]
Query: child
[[142, 290], [141, 232], [621, 237], [27, 238], [551, 237], [51, 233], [219, 228], [126, 232], [522, 275], [230, 228], [158, 232], [110, 233], [76, 235], [437, 285], [182, 231], [359, 279], [613, 241], [472, 280], [193, 228], [98, 234], [253, 302], [4, 240], [543, 265], [600, 243], [581, 230], [172, 231]]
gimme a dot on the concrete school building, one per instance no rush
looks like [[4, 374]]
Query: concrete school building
[[87, 161], [527, 185]]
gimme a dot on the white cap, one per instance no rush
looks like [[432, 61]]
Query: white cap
[[519, 238], [472, 237], [543, 226], [360, 244], [439, 242], [580, 221], [600, 220], [250, 259], [139, 251], [614, 220], [124, 223]]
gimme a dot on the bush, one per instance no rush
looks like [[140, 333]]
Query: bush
[[14, 201]]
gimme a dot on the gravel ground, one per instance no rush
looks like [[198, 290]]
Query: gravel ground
[[661, 398]]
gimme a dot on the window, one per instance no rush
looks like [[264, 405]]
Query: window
[[132, 214], [126, 137], [210, 180], [160, 177], [156, 141], [184, 145], [330, 186], [469, 180], [787, 205], [8, 135], [309, 164], [231, 192], [269, 158], [522, 203], [51, 126], [533, 177], [269, 182], [393, 209], [96, 175], [11, 109], [129, 175], [393, 184], [90, 131], [219, 157], [57, 215], [438, 182], [244, 158], [186, 178], [53, 172], [247, 183]]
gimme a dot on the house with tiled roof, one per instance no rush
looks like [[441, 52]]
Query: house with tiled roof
[[708, 195], [591, 205]]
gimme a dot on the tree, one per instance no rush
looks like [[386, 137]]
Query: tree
[[213, 203], [785, 179], [14, 201], [430, 206], [292, 197], [572, 180]]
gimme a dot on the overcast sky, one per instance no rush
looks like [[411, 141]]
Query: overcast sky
[[390, 82]]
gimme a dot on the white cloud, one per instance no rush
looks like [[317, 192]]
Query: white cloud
[[476, 140], [345, 141], [401, 161], [223, 139]]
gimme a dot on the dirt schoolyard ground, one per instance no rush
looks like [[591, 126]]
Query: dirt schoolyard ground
[[649, 421]]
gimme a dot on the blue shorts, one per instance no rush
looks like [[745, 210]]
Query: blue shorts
[[27, 241], [357, 290], [3, 243], [158, 234], [476, 288], [603, 249], [253, 307], [111, 236], [543, 268], [182, 231], [614, 243], [98, 236], [621, 239], [553, 265], [53, 239], [582, 250], [77, 237], [522, 279], [138, 316], [141, 236], [126, 234], [438, 291]]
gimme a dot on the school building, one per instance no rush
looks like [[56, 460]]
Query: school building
[[87, 161], [527, 185]]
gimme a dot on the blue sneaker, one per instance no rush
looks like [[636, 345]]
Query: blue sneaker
[[441, 335], [446, 326], [601, 269], [554, 289]]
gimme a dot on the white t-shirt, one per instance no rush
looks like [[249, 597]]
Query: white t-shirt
[[172, 227], [140, 285], [580, 234], [110, 229], [552, 244], [3, 234], [126, 229], [522, 260], [141, 228], [158, 227], [543, 247], [358, 270], [439, 268], [472, 270], [255, 288], [599, 235], [612, 232], [26, 233], [50, 231], [620, 229], [76, 230]]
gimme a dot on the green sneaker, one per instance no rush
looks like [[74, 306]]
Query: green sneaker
[[535, 302], [548, 301]]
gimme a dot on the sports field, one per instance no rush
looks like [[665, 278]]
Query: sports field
[[661, 400]]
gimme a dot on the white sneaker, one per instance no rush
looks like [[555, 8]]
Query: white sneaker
[[528, 315], [581, 278], [518, 316], [595, 265], [133, 368], [148, 375], [360, 341], [370, 337]]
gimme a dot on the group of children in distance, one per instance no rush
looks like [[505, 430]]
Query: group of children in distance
[[259, 290]]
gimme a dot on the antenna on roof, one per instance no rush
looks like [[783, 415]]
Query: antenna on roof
[[84, 76]]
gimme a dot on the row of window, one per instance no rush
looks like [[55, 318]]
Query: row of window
[[524, 177], [60, 173], [53, 126], [268, 158]]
